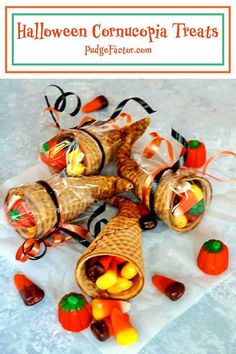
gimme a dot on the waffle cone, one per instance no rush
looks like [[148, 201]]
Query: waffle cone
[[122, 237], [74, 195], [92, 153], [164, 194]]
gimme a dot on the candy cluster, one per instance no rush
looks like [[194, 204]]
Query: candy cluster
[[188, 206], [111, 273]]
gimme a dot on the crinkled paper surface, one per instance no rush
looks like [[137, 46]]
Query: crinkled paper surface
[[204, 109]]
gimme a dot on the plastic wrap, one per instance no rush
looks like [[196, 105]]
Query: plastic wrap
[[86, 149], [178, 197], [39, 210]]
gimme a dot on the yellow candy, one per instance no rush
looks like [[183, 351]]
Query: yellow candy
[[121, 284], [31, 230], [127, 337], [180, 221], [107, 280], [128, 271], [74, 165], [197, 192], [76, 170]]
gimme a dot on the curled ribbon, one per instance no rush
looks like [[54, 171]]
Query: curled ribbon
[[213, 157], [152, 148], [114, 124], [61, 102]]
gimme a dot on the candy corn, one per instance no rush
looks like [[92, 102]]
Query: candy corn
[[129, 270], [118, 260], [30, 293], [96, 104], [102, 330], [19, 215], [189, 199], [102, 308], [197, 192], [124, 332], [74, 165], [108, 279], [169, 287], [105, 261], [179, 221], [121, 284]]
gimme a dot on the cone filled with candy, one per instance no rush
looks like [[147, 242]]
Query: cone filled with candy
[[112, 266], [35, 209], [179, 199], [82, 151]]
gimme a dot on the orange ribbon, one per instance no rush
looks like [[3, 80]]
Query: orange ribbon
[[152, 148], [213, 157], [30, 248], [57, 113], [114, 124]]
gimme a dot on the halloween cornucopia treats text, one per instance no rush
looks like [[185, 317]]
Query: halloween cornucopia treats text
[[179, 199], [120, 243], [82, 151], [34, 210]]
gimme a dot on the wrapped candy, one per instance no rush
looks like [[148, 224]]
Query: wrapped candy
[[82, 150], [171, 196], [58, 201], [121, 237]]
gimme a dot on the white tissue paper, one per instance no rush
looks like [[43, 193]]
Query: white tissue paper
[[165, 252]]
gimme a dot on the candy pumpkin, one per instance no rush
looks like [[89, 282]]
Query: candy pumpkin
[[196, 156], [74, 312], [19, 215], [53, 153], [213, 258]]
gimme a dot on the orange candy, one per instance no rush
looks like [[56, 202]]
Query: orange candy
[[102, 308], [213, 257], [30, 293], [169, 287], [124, 332], [96, 104]]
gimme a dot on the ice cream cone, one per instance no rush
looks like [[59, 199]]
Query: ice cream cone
[[74, 195], [95, 144], [165, 192], [121, 237]]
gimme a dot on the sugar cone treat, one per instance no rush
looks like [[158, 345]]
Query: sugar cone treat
[[180, 198], [122, 239], [30, 209], [82, 151]]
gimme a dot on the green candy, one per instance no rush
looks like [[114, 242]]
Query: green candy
[[45, 148], [72, 302], [213, 246], [198, 208], [14, 215], [194, 144]]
